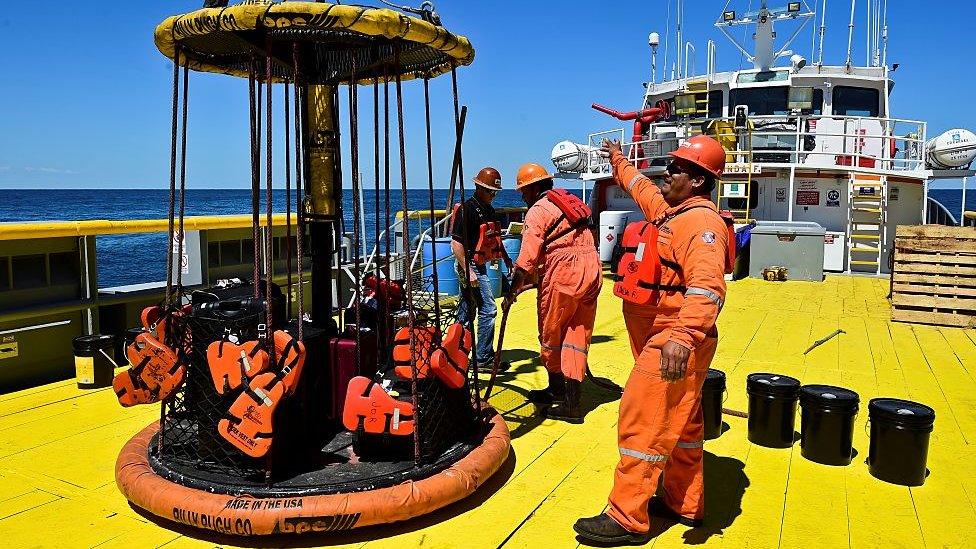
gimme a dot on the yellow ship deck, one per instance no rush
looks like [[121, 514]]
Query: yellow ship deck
[[58, 444]]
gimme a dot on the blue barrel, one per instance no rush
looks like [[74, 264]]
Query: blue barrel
[[512, 244], [447, 281]]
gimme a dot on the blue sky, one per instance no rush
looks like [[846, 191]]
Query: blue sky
[[86, 96]]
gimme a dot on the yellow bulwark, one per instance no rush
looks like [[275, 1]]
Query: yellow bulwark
[[58, 445]]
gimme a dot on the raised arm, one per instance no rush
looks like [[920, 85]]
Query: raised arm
[[629, 178]]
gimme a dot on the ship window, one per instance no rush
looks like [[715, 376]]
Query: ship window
[[850, 101], [761, 101], [65, 268], [230, 252], [715, 104], [4, 273], [29, 271], [740, 203], [213, 254], [817, 101]]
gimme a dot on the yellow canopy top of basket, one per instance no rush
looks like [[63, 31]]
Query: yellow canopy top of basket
[[331, 39]]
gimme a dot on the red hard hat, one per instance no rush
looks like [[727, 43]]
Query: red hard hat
[[704, 152], [530, 173], [489, 178]]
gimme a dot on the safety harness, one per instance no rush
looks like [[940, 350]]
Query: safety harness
[[639, 272]]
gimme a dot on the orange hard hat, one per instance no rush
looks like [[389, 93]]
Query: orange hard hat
[[531, 173], [704, 152], [489, 178]]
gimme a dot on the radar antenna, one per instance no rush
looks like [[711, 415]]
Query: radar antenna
[[764, 18]]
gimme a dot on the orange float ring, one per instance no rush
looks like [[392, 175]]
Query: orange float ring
[[253, 516]]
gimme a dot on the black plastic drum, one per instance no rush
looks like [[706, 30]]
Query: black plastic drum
[[772, 409], [900, 431], [827, 423], [93, 365], [713, 393]]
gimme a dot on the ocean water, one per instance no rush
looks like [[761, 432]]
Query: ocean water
[[132, 259]]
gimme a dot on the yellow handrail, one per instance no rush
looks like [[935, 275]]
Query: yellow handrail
[[969, 215], [425, 214], [56, 229]]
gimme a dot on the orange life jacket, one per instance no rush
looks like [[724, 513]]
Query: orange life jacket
[[489, 246], [574, 211], [403, 356], [160, 369], [130, 390], [450, 360], [230, 364], [249, 423], [639, 271], [370, 409]]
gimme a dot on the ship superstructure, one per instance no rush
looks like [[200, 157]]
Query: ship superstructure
[[806, 141]]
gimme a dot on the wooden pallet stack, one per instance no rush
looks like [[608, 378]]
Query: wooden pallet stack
[[934, 275]]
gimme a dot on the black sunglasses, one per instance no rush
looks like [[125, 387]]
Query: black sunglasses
[[674, 169]]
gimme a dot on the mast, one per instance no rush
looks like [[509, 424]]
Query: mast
[[850, 33], [823, 28]]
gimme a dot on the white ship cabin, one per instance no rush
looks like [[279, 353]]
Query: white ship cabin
[[805, 142]]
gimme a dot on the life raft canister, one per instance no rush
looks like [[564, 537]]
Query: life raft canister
[[450, 361], [370, 409], [489, 246], [423, 347]]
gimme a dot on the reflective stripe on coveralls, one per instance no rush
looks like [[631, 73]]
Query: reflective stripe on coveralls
[[569, 285], [657, 417]]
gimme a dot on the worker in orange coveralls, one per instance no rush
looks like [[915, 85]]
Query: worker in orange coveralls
[[660, 430], [558, 250]]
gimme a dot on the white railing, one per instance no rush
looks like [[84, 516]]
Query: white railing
[[869, 144]]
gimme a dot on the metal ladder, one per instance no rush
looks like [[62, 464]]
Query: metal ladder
[[867, 207], [742, 215]]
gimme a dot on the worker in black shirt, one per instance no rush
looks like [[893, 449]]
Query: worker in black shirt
[[482, 246]]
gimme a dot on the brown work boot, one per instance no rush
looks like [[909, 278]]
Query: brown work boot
[[555, 392], [604, 529], [568, 409]]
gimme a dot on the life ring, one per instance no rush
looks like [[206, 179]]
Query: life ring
[[302, 514]]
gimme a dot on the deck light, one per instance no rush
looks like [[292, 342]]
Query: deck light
[[793, 7], [728, 16]]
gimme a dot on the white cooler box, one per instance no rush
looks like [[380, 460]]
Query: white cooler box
[[835, 252]]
